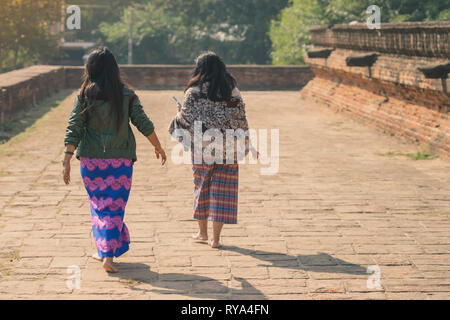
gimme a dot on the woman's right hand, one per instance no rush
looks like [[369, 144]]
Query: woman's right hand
[[70, 149], [66, 171]]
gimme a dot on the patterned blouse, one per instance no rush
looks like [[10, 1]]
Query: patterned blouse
[[221, 115]]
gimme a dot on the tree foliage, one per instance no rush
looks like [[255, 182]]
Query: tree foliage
[[175, 31], [27, 32], [289, 33]]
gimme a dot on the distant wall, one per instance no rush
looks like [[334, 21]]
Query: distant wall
[[249, 77], [20, 89], [392, 94]]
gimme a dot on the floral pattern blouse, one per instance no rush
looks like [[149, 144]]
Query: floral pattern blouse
[[221, 115]]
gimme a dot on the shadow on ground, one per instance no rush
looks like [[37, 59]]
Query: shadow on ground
[[137, 275], [192, 285], [320, 262]]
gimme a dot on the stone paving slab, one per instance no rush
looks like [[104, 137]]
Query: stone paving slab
[[340, 203]]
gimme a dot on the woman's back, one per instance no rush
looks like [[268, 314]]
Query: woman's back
[[94, 127], [219, 114], [100, 113]]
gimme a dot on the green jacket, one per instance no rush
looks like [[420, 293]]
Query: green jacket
[[94, 132]]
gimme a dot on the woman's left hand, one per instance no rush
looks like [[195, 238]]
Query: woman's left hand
[[160, 152], [255, 153]]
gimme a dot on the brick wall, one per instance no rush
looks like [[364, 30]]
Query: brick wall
[[391, 95], [19, 89], [430, 39], [249, 77]]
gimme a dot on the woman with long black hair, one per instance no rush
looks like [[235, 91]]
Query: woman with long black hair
[[213, 103], [99, 128]]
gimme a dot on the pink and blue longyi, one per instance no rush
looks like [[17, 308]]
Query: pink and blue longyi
[[108, 184]]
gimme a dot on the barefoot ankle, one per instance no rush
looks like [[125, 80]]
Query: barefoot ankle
[[215, 243], [97, 257], [108, 265], [200, 236]]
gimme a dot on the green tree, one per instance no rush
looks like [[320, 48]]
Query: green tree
[[151, 34], [289, 33], [176, 31], [95, 12], [27, 31], [6, 38], [248, 21]]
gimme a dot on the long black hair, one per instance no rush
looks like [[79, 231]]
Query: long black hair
[[101, 81], [210, 68]]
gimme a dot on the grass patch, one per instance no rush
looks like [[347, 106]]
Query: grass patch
[[4, 174], [130, 283], [8, 263], [445, 213], [420, 156], [7, 153], [390, 154], [14, 256], [4, 272]]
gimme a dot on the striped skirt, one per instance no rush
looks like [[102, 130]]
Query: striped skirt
[[216, 192], [108, 184]]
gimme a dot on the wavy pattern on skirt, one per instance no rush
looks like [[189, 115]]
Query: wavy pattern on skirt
[[103, 164], [110, 181], [101, 204], [108, 222], [112, 245], [108, 184]]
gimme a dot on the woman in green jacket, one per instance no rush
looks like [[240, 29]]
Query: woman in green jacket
[[99, 129]]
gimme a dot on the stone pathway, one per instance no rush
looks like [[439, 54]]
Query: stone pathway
[[344, 200]]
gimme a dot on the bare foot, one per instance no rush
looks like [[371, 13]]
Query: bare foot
[[97, 257], [200, 237], [215, 244], [108, 265]]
